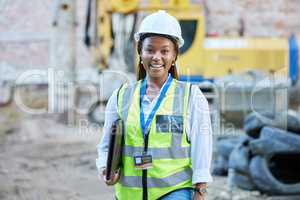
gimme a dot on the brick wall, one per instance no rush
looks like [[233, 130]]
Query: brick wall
[[261, 17], [25, 33]]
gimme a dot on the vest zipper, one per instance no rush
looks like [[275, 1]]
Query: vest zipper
[[144, 172]]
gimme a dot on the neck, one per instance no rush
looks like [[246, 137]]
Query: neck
[[156, 83]]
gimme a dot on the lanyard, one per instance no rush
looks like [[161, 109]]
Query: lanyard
[[145, 125]]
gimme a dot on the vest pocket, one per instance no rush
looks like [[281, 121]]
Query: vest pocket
[[169, 124]]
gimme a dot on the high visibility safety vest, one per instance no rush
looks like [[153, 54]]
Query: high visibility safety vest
[[166, 142]]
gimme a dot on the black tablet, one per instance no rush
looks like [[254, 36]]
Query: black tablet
[[114, 157]]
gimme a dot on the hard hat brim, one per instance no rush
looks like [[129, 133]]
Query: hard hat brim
[[180, 41]]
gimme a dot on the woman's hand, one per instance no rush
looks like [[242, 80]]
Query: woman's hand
[[114, 178], [200, 194]]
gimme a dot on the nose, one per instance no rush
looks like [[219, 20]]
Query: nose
[[156, 56]]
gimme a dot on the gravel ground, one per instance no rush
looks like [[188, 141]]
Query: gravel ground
[[43, 159]]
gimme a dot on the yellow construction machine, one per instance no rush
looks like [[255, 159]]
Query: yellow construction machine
[[202, 57]]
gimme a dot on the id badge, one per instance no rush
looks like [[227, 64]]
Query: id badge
[[143, 161]]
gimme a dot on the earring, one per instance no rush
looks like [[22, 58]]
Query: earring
[[142, 62], [173, 64]]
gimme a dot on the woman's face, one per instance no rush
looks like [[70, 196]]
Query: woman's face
[[158, 54]]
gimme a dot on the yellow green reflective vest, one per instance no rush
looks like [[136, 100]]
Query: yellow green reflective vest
[[166, 142]]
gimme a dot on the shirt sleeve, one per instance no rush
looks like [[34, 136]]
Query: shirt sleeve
[[199, 133], [111, 115]]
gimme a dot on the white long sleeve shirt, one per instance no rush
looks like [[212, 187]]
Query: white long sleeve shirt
[[198, 131]]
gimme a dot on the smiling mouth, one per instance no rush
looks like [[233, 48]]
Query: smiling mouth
[[156, 66]]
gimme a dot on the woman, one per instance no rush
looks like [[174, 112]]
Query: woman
[[168, 138]]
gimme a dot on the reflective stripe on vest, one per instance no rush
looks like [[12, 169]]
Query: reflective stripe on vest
[[163, 153], [169, 181]]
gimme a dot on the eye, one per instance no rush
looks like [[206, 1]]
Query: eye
[[165, 51], [149, 50]]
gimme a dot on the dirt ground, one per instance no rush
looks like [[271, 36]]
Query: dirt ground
[[44, 159]]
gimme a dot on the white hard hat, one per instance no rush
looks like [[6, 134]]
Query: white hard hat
[[160, 23]]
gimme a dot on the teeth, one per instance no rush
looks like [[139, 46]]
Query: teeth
[[156, 66]]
